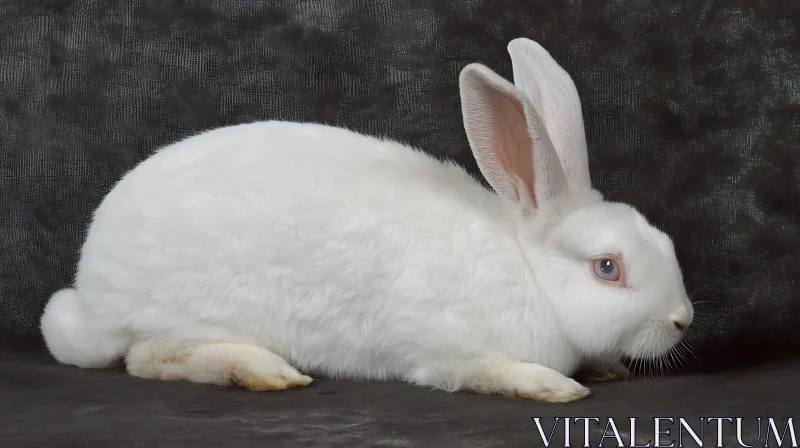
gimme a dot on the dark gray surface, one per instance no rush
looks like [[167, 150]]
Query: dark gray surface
[[43, 404]]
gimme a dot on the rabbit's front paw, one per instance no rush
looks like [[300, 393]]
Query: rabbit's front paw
[[596, 372], [534, 382]]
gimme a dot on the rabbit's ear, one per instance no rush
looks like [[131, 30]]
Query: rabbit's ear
[[553, 94], [508, 139]]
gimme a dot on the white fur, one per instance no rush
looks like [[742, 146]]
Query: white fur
[[555, 98], [270, 245]]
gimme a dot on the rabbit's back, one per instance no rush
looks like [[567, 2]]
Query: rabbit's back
[[309, 239]]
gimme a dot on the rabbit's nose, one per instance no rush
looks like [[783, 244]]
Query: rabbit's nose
[[682, 318]]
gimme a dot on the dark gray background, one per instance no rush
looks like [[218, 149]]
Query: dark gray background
[[692, 112]]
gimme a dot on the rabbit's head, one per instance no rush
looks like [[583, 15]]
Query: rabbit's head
[[611, 278]]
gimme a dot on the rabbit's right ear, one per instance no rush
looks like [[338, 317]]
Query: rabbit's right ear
[[553, 94], [508, 139]]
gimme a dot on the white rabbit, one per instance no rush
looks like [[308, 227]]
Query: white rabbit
[[248, 254]]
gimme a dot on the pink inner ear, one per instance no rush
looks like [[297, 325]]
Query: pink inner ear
[[513, 144]]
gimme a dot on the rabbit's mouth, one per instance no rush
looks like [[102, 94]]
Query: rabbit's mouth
[[657, 339]]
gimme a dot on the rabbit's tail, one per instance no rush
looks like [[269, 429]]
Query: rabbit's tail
[[73, 337]]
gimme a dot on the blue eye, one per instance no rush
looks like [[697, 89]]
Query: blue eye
[[607, 269]]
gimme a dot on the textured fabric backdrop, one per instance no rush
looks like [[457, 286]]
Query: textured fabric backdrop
[[692, 112]]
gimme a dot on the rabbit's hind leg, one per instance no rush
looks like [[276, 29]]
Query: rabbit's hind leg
[[221, 363]]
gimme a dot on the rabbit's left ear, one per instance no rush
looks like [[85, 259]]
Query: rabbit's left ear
[[552, 93], [508, 139]]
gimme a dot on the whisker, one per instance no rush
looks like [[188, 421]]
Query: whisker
[[676, 364], [682, 359], [690, 352], [668, 361], [701, 290], [679, 351], [701, 328]]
